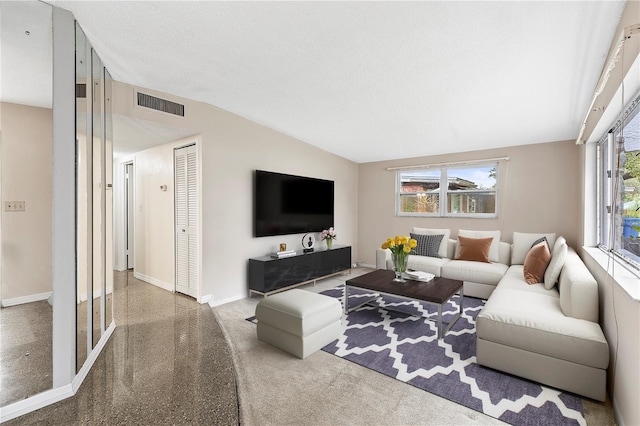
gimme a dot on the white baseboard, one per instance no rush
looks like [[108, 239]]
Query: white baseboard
[[96, 294], [213, 303], [155, 281], [52, 396], [366, 265], [207, 298], [25, 299], [86, 367], [35, 402]]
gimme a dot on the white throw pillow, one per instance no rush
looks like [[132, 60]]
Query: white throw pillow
[[494, 251], [522, 242], [442, 251], [558, 256]]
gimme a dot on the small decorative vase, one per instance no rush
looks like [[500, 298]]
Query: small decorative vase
[[399, 265], [329, 243]]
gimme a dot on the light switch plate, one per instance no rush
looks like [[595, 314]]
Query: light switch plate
[[14, 206]]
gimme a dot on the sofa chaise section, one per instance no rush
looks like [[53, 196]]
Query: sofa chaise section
[[528, 331]]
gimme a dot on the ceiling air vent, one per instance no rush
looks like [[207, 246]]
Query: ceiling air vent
[[159, 104], [81, 90]]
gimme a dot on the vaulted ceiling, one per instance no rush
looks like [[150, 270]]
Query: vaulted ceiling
[[369, 80]]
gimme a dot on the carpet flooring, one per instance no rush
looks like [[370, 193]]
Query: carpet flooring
[[398, 338]]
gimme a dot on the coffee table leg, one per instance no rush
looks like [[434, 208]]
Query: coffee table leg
[[439, 321], [346, 299]]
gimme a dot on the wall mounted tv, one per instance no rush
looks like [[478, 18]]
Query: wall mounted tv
[[287, 204]]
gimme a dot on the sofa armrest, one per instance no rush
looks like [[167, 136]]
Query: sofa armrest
[[578, 289], [381, 258]]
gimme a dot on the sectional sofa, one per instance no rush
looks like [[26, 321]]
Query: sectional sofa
[[548, 331]]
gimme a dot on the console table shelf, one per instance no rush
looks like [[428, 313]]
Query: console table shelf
[[269, 275]]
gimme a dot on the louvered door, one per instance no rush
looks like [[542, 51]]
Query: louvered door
[[186, 193]]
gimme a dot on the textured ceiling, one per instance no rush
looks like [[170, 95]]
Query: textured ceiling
[[26, 53], [369, 80]]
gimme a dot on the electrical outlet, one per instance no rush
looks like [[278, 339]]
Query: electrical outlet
[[14, 206]]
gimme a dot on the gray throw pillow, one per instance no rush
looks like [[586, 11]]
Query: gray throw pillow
[[428, 245]]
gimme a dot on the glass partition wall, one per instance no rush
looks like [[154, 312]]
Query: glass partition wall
[[56, 237], [94, 197]]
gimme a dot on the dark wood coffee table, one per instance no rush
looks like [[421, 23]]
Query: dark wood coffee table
[[438, 291]]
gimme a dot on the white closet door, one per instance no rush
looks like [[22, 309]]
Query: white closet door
[[186, 187]]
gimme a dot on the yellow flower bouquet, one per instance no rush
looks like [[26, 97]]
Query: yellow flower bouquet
[[400, 248]]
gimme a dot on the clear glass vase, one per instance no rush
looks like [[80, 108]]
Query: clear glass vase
[[399, 265], [329, 242]]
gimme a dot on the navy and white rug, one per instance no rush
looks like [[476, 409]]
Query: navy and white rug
[[405, 346]]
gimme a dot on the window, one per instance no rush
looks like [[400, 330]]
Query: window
[[619, 187], [460, 191]]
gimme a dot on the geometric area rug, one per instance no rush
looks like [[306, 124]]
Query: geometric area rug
[[404, 346]]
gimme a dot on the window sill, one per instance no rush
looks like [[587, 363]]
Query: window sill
[[624, 277]]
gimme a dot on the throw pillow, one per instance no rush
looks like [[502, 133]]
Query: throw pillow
[[474, 249], [494, 254], [558, 256], [540, 240], [522, 242], [442, 251], [536, 262], [428, 245]]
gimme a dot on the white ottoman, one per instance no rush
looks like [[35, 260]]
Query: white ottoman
[[299, 322]]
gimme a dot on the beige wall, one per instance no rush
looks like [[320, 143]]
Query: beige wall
[[619, 319], [231, 148], [538, 192], [26, 176]]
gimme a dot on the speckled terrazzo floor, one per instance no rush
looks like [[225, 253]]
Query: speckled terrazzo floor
[[25, 351], [167, 362]]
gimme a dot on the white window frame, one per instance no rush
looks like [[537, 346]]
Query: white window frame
[[443, 192], [607, 206]]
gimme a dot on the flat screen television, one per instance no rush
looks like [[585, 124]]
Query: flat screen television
[[287, 204]]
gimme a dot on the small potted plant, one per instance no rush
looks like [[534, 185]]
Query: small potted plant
[[328, 235]]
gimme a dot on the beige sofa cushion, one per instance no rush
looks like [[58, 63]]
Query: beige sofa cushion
[[513, 280], [529, 317], [432, 265], [478, 272], [578, 289]]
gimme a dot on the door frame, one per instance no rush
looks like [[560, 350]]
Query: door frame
[[129, 232], [190, 142]]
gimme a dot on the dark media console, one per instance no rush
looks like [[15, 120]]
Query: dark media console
[[268, 275]]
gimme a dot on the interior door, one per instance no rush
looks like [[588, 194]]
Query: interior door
[[186, 211], [129, 209]]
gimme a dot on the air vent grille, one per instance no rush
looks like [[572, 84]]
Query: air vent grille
[[159, 104], [81, 90]]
